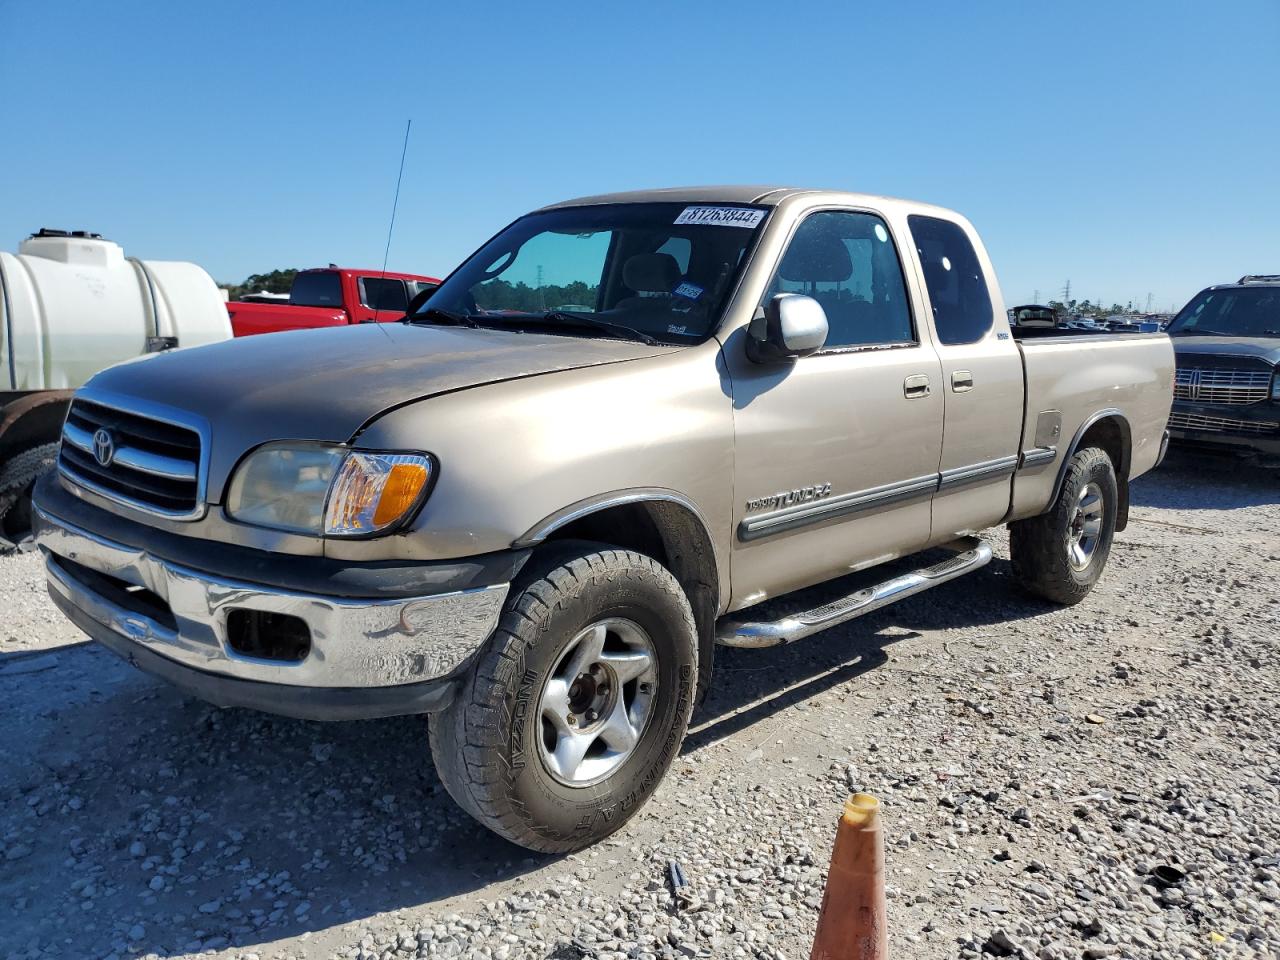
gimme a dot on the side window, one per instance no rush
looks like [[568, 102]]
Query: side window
[[958, 292], [847, 262], [383, 293]]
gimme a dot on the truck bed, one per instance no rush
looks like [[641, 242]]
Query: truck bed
[[248, 319], [1079, 374]]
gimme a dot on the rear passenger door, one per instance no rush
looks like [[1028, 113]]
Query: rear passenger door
[[381, 299], [836, 453], [982, 384]]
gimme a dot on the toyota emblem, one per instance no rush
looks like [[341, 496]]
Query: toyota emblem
[[104, 447]]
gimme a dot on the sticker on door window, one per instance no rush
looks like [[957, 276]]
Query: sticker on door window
[[721, 216]]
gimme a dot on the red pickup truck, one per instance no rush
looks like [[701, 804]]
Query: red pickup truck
[[331, 297]]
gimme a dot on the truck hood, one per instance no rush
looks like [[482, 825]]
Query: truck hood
[[1263, 348], [326, 384]]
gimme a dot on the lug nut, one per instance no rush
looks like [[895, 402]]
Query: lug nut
[[571, 720], [592, 716]]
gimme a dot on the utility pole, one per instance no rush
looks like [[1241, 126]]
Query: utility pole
[[542, 303], [1066, 293], [1035, 297]]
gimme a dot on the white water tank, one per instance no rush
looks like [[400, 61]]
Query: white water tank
[[72, 304]]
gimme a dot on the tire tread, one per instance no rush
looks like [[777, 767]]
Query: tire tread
[[468, 738]]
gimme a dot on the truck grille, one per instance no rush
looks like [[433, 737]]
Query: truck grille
[[141, 461], [1191, 421], [1203, 383]]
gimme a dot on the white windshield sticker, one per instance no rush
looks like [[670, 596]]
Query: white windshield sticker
[[721, 216], [688, 290]]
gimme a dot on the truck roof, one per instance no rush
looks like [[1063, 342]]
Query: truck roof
[[374, 272], [763, 195]]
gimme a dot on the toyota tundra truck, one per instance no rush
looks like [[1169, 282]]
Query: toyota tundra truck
[[628, 429]]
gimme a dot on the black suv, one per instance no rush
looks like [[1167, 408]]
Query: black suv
[[1227, 389]]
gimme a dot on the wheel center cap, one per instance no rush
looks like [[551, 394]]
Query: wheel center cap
[[582, 693]]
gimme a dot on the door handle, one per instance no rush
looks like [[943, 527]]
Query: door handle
[[961, 381], [914, 388]]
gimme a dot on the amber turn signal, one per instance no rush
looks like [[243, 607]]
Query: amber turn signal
[[374, 491]]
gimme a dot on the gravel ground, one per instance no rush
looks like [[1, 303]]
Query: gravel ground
[[1092, 782]]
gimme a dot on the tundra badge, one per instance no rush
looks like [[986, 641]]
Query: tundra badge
[[789, 498]]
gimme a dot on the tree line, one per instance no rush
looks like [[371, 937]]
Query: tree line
[[277, 281], [499, 294]]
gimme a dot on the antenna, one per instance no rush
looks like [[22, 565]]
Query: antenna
[[394, 204]]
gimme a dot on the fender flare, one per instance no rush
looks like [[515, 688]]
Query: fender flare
[[1122, 468], [594, 504], [705, 580]]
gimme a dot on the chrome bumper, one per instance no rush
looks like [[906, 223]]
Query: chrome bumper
[[355, 643]]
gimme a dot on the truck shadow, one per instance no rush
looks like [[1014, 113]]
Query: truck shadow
[[126, 805], [750, 685], [1192, 479]]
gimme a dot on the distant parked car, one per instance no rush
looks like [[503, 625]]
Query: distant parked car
[[1227, 386], [332, 297]]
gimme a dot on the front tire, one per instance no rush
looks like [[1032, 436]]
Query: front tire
[[1060, 555], [578, 703], [17, 479]]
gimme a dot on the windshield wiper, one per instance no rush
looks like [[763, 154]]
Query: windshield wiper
[[629, 333], [445, 318], [558, 318]]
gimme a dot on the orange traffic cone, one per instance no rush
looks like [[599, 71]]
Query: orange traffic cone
[[853, 923]]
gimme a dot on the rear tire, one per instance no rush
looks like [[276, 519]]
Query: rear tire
[[1060, 555], [18, 478], [577, 705]]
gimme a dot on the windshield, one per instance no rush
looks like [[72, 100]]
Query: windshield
[[1237, 312], [651, 270]]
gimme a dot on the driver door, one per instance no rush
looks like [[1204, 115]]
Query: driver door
[[836, 453]]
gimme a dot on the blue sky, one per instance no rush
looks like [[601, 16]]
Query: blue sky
[[1130, 147]]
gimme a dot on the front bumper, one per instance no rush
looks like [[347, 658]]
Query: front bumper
[[1247, 427], [367, 657]]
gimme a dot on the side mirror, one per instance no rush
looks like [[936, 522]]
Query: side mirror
[[787, 327]]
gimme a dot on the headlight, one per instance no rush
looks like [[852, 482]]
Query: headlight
[[318, 488]]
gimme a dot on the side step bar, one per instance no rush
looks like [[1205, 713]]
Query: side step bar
[[738, 632]]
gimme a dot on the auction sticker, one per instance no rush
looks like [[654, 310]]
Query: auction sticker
[[690, 291], [721, 216]]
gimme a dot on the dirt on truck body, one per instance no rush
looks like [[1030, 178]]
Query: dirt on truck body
[[533, 510]]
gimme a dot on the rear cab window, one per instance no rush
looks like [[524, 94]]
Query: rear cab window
[[958, 294], [316, 288]]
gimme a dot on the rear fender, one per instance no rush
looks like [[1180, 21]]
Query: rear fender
[[1110, 430]]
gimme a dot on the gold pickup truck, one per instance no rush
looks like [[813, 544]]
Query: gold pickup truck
[[630, 427]]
